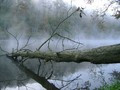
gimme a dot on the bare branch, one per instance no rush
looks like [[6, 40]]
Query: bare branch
[[68, 82], [17, 47], [68, 39], [51, 71], [63, 43], [26, 86], [69, 8], [23, 60], [42, 80], [104, 12], [42, 73], [69, 49], [39, 67], [49, 46], [54, 31], [8, 82], [26, 43]]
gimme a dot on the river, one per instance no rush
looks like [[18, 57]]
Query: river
[[67, 71]]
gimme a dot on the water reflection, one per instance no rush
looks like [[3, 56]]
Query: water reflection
[[33, 86], [66, 71]]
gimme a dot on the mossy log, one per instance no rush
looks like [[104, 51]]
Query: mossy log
[[100, 55]]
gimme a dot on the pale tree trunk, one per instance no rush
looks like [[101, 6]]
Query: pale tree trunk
[[100, 55]]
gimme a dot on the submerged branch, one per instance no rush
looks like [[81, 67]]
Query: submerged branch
[[42, 80]]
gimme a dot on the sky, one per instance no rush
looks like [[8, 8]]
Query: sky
[[99, 5], [83, 3], [93, 5]]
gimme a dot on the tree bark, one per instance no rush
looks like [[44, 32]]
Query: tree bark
[[100, 55]]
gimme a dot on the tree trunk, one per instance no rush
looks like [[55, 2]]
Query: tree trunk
[[100, 55]]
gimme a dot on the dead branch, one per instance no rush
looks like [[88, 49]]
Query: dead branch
[[106, 9], [42, 80], [26, 44], [54, 31], [69, 39], [17, 45], [51, 71], [39, 67], [69, 8], [70, 81]]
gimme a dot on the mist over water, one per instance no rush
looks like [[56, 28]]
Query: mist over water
[[38, 19]]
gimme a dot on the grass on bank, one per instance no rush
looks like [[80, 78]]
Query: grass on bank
[[113, 86]]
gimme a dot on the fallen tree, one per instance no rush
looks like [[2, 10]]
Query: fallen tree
[[100, 55]]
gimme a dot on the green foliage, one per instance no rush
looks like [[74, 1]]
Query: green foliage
[[113, 86]]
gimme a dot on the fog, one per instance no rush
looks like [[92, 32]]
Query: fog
[[37, 20]]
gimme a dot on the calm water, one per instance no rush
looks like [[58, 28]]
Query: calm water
[[67, 71]]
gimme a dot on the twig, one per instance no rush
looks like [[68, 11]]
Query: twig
[[70, 81], [104, 12], [49, 46], [39, 67], [26, 43], [63, 43], [43, 68], [22, 61], [25, 85], [54, 31], [14, 38], [69, 8], [68, 39], [51, 71], [66, 50]]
